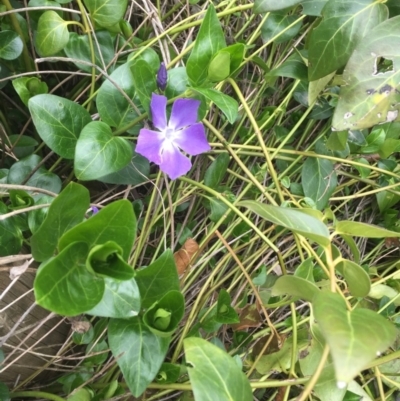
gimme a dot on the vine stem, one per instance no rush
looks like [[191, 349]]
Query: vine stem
[[36, 394]]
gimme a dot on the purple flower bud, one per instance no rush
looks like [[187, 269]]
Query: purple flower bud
[[162, 77], [94, 210]]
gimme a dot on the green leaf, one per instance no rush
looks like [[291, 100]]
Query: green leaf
[[78, 48], [214, 375], [116, 222], [59, 122], [317, 86], [344, 24], [4, 392], [66, 211], [169, 373], [20, 199], [144, 81], [99, 153], [297, 287], [226, 314], [135, 173], [219, 68], [294, 220], [10, 234], [264, 6], [52, 34], [355, 338], [306, 270], [209, 41], [293, 67], [217, 170], [356, 277], [139, 353], [319, 180], [236, 52], [63, 284], [364, 230], [314, 8], [337, 141], [22, 145], [164, 316], [121, 299], [106, 260], [157, 279], [178, 82], [81, 394], [11, 45], [370, 95], [36, 217], [225, 103], [277, 23], [106, 12], [115, 109], [27, 87], [35, 14]]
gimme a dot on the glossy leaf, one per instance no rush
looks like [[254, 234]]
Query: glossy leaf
[[178, 82], [157, 279], [20, 199], [169, 373], [225, 103], [139, 353], [354, 338], [319, 180], [209, 41], [113, 107], [164, 316], [293, 67], [294, 220], [98, 152], [144, 81], [277, 23], [121, 299], [264, 6], [10, 234], [11, 45], [36, 217], [106, 12], [59, 122], [313, 7], [344, 24], [356, 278], [63, 284], [78, 48], [35, 14], [369, 95], [116, 222], [364, 230], [226, 314], [217, 170], [297, 287], [52, 34], [65, 212], [27, 87], [106, 260], [214, 375]]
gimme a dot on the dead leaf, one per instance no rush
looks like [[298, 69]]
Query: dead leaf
[[392, 242], [249, 316], [16, 271], [185, 255]]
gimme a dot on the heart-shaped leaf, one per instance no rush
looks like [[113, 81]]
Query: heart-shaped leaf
[[139, 352], [370, 95], [291, 219], [59, 122], [66, 211], [116, 222], [63, 284], [214, 374], [121, 299], [355, 337], [52, 34], [106, 12], [98, 152], [11, 45]]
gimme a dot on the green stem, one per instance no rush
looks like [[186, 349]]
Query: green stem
[[36, 394], [14, 22]]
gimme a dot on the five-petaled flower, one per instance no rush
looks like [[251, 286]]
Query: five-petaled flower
[[181, 132]]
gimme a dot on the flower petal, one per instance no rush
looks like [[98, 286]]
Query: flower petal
[[174, 163], [149, 144], [158, 107], [184, 113], [192, 139]]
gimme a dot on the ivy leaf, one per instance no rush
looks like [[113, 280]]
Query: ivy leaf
[[52, 34], [106, 12], [344, 24], [209, 41], [214, 374], [66, 211], [139, 353], [98, 152], [11, 45], [63, 284], [354, 337], [59, 122]]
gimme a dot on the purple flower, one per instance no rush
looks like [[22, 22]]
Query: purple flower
[[181, 132], [162, 77], [94, 210]]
